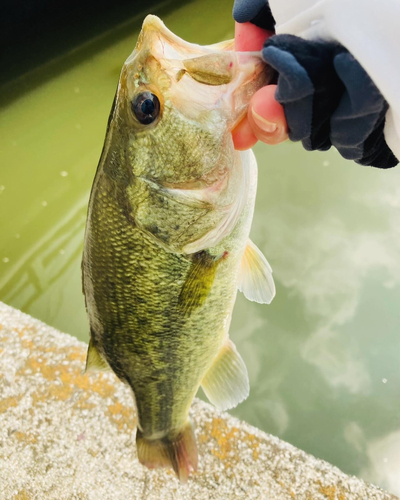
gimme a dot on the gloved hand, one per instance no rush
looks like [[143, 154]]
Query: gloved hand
[[327, 96]]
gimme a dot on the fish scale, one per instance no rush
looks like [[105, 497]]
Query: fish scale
[[168, 223], [142, 324], [168, 148]]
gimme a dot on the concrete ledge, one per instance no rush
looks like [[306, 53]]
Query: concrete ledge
[[65, 435]]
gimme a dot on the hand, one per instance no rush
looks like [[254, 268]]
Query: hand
[[323, 96], [265, 120]]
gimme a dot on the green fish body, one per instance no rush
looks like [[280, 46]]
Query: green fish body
[[166, 243]]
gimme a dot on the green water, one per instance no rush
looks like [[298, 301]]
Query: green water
[[324, 357]]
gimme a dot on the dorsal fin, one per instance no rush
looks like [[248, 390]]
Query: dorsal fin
[[255, 276]]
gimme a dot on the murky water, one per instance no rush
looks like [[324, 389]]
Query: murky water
[[324, 357]]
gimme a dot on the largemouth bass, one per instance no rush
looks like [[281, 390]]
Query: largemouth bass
[[166, 244]]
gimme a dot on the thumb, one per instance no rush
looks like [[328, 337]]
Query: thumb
[[265, 121], [267, 117]]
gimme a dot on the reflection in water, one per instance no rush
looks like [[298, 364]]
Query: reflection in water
[[323, 358], [332, 277], [384, 467], [45, 263], [329, 344], [336, 362]]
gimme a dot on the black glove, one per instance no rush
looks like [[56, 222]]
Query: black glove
[[327, 96], [255, 11]]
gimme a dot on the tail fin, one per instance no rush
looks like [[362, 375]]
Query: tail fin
[[179, 452]]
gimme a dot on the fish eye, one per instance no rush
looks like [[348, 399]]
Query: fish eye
[[146, 107]]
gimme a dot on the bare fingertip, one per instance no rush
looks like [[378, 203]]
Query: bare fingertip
[[243, 136]]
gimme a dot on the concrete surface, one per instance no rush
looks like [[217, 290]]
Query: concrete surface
[[66, 435]]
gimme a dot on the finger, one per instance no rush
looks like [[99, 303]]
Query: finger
[[249, 37], [265, 121], [267, 117], [243, 136]]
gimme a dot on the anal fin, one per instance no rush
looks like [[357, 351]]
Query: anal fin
[[226, 383], [255, 276], [95, 361]]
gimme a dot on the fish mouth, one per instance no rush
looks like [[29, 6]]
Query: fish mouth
[[173, 46], [196, 78]]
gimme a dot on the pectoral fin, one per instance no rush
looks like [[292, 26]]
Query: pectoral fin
[[226, 383], [198, 282], [95, 361], [255, 276]]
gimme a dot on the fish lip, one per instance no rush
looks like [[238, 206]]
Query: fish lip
[[154, 24]]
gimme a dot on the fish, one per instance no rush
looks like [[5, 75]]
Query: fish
[[166, 244]]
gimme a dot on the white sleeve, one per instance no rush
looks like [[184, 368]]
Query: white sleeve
[[369, 29]]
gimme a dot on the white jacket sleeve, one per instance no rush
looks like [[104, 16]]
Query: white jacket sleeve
[[370, 31]]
